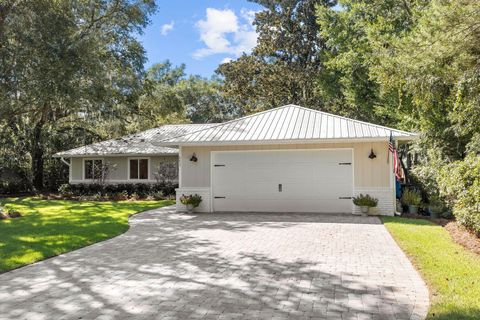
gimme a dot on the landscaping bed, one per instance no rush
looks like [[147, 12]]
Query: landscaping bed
[[462, 236], [50, 227]]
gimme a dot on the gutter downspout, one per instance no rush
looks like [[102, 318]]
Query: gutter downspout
[[65, 161], [69, 164]]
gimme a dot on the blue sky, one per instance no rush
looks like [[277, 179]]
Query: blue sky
[[199, 33]]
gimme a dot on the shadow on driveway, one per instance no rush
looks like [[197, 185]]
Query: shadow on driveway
[[224, 266]]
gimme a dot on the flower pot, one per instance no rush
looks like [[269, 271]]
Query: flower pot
[[413, 209], [364, 209], [190, 208], [434, 212]]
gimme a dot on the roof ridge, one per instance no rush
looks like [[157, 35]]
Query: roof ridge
[[227, 122], [350, 119]]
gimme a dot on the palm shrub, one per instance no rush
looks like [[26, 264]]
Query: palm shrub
[[411, 197]]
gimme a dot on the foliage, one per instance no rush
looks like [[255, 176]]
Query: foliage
[[170, 96], [52, 227], [194, 200], [288, 55], [435, 67], [354, 36], [65, 66], [411, 197], [451, 271], [460, 186], [436, 205], [425, 175], [365, 201], [118, 191]]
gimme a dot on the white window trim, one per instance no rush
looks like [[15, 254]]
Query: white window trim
[[128, 169], [83, 166]]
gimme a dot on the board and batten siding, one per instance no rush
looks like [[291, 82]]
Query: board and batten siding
[[120, 174], [368, 172], [372, 176]]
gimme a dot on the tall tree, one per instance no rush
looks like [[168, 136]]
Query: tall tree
[[171, 96], [288, 55], [64, 61], [436, 67], [356, 32]]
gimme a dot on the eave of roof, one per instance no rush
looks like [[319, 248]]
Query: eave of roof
[[289, 124]]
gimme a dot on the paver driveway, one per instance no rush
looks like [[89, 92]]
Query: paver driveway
[[225, 266]]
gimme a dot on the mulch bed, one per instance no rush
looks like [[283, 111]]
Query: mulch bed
[[464, 237]]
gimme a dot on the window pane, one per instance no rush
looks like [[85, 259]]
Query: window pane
[[133, 169], [144, 169], [88, 169], [97, 169]]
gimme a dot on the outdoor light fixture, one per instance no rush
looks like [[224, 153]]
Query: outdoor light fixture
[[372, 155], [194, 158]]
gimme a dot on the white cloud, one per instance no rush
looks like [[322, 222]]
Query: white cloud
[[166, 28], [226, 60], [222, 32]]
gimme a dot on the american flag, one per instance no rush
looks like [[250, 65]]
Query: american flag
[[397, 168], [391, 147]]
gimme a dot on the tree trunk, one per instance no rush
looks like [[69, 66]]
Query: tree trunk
[[37, 156]]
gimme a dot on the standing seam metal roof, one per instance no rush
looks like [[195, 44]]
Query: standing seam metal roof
[[142, 143], [288, 123]]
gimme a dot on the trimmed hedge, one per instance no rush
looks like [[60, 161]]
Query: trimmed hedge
[[120, 191], [459, 184]]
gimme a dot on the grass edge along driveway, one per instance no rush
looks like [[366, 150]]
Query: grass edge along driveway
[[52, 227], [451, 272]]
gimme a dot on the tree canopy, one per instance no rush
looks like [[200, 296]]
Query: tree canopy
[[72, 73]]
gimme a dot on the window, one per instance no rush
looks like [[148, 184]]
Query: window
[[138, 169], [93, 169]]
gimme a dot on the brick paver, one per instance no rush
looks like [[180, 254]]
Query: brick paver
[[225, 266]]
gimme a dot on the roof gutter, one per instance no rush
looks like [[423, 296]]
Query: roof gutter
[[291, 141]]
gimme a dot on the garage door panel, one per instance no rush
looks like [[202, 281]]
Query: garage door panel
[[311, 181], [309, 205]]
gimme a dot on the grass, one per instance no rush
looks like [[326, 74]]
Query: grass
[[51, 227], [451, 272]]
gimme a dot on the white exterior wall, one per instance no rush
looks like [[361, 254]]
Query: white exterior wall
[[372, 176], [120, 174]]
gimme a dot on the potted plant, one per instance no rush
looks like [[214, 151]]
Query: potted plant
[[365, 202], [435, 207], [412, 199], [191, 201]]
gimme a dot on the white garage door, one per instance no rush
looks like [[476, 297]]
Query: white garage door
[[283, 181]]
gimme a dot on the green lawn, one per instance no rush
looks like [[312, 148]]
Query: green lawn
[[451, 271], [52, 227]]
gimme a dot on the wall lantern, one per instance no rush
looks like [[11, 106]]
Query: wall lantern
[[372, 155], [194, 158]]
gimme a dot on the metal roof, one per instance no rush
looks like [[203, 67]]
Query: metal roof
[[288, 124], [136, 144]]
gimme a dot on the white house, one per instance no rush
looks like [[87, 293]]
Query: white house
[[287, 159]]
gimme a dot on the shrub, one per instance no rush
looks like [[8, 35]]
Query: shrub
[[365, 201], [65, 189], [411, 197], [118, 191], [120, 196], [191, 199], [459, 184], [157, 195]]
